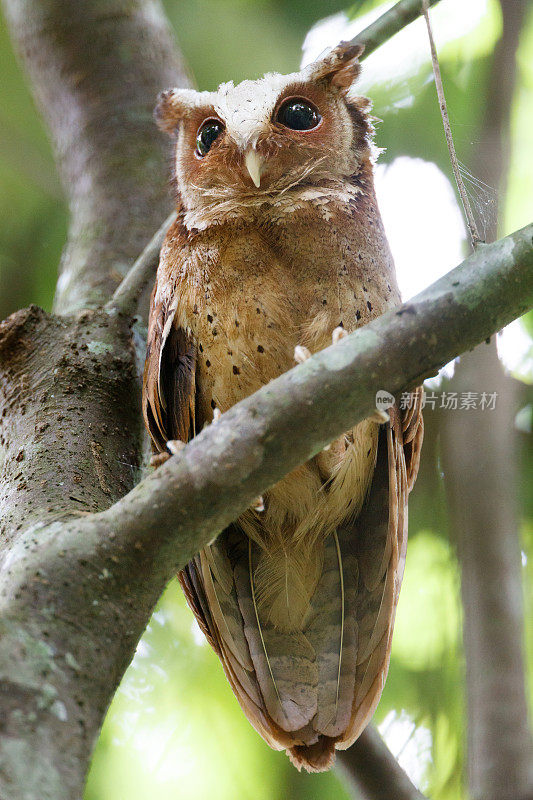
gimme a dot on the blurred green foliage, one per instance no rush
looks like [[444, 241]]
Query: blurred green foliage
[[32, 212], [174, 729]]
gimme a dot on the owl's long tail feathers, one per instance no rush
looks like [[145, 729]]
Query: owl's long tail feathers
[[313, 689], [306, 680], [368, 559]]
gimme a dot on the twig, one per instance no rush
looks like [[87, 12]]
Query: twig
[[390, 23], [127, 294], [373, 771], [470, 221]]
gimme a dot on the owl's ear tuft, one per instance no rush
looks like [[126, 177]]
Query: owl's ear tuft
[[340, 67], [169, 110]]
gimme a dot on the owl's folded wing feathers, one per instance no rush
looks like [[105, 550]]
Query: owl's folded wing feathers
[[381, 535], [169, 383]]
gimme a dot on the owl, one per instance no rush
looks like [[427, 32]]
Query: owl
[[278, 249]]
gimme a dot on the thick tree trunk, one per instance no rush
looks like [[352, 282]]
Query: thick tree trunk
[[63, 644], [71, 437]]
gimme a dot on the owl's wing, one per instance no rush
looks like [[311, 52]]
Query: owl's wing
[[380, 532], [218, 587], [169, 384]]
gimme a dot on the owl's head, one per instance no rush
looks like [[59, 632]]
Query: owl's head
[[243, 146]]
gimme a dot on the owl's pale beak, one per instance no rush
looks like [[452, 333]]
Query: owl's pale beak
[[254, 164]]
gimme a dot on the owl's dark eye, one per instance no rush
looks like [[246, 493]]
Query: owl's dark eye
[[298, 115], [209, 131]]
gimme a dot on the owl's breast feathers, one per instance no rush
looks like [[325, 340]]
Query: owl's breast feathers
[[298, 600]]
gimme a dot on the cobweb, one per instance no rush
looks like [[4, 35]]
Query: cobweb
[[483, 199]]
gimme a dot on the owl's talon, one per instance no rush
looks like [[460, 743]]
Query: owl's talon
[[258, 504], [338, 333], [174, 446], [381, 417], [159, 458], [301, 353]]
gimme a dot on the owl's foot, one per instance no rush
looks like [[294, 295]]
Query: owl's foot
[[381, 417], [158, 459], [301, 354], [173, 447], [259, 504], [338, 333], [217, 413]]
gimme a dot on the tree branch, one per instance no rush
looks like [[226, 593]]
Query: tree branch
[[373, 771], [96, 72], [179, 508], [391, 22], [126, 296]]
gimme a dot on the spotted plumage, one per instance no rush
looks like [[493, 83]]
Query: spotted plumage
[[278, 243]]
